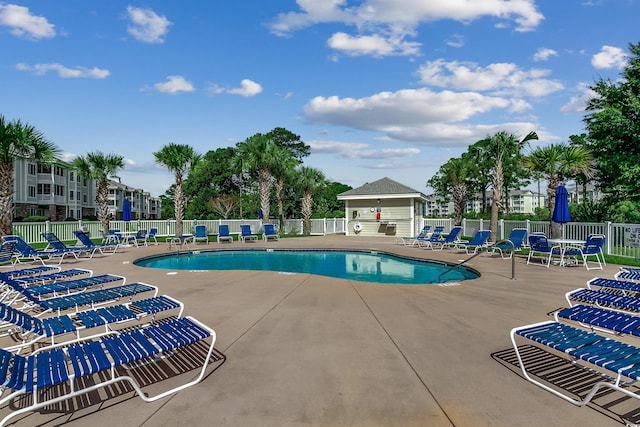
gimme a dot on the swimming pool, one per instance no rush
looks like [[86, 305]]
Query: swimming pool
[[364, 266]]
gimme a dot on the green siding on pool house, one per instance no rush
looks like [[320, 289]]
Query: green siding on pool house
[[383, 208]]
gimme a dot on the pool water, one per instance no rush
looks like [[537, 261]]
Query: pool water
[[364, 266]]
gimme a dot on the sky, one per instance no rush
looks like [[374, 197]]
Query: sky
[[376, 88]]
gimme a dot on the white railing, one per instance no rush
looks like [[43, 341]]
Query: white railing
[[621, 239], [32, 231]]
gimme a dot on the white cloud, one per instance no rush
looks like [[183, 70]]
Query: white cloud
[[359, 150], [375, 45], [455, 40], [247, 88], [64, 72], [388, 22], [497, 78], [404, 107], [23, 24], [67, 157], [174, 85], [543, 53], [609, 57], [406, 13], [578, 103], [146, 25]]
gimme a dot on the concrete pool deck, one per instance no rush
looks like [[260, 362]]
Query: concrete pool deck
[[305, 350]]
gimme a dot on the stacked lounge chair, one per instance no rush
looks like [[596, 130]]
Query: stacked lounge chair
[[45, 311], [598, 331]]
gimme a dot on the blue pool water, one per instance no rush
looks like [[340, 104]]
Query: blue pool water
[[365, 266]]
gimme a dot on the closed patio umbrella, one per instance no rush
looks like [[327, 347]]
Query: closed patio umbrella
[[561, 213], [126, 210]]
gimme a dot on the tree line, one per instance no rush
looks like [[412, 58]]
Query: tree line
[[234, 181], [606, 155]]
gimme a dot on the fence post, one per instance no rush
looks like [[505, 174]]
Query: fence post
[[501, 227], [464, 226], [607, 235]]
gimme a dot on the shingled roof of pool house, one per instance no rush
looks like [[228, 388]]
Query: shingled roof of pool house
[[383, 207]]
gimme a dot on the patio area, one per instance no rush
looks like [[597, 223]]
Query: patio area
[[310, 350]]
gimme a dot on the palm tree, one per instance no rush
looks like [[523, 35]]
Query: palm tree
[[456, 173], [239, 176], [99, 167], [283, 169], [18, 140], [500, 148], [179, 159], [309, 179], [260, 158], [555, 163]]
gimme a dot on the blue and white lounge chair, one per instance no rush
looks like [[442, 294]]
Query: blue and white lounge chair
[[31, 329], [40, 275], [539, 246], [450, 240], [110, 356], [413, 241], [270, 232], [628, 273], [427, 242], [59, 246], [223, 234], [602, 298], [67, 287], [200, 234], [613, 360], [95, 247], [514, 243], [246, 234], [28, 252], [6, 253], [84, 299], [592, 248], [152, 235], [477, 242]]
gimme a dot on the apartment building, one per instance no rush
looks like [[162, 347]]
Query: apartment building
[[520, 201], [58, 192]]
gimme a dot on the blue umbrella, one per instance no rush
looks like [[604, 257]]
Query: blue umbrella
[[561, 209], [126, 210]]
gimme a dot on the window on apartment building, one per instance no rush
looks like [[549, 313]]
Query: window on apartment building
[[32, 191], [71, 176], [77, 195], [59, 189], [84, 182], [32, 169], [84, 198], [44, 188], [71, 194], [44, 169], [58, 171]]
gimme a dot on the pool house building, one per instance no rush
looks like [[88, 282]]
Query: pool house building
[[383, 207]]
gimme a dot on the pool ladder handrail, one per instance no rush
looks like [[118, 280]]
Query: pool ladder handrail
[[513, 258]]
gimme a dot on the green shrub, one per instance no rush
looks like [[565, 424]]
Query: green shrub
[[35, 218]]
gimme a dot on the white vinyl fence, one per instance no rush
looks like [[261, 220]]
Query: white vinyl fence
[[621, 239], [32, 231]]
